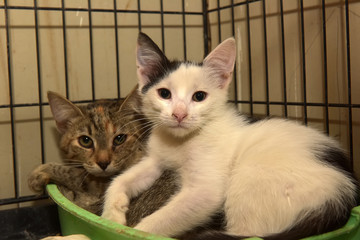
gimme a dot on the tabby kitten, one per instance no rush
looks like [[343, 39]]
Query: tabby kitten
[[98, 141], [274, 178]]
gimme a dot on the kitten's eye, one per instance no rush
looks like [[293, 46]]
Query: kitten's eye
[[119, 139], [85, 141], [199, 96], [164, 93]]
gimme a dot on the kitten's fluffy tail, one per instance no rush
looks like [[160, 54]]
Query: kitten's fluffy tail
[[316, 223], [211, 235], [218, 235], [292, 234]]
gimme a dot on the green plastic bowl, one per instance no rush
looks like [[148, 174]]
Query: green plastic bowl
[[75, 220]]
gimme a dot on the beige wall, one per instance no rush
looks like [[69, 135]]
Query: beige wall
[[25, 75]]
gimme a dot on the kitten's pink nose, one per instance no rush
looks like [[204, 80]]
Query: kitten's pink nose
[[179, 116]]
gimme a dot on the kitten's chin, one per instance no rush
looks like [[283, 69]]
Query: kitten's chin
[[100, 173], [180, 131], [103, 174]]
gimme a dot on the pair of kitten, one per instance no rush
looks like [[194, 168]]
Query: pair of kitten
[[98, 141], [273, 178]]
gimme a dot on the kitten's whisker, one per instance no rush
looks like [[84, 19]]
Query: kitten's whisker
[[122, 160], [130, 113], [147, 128], [148, 131], [143, 134], [73, 164], [133, 121], [86, 173], [142, 127], [72, 160]]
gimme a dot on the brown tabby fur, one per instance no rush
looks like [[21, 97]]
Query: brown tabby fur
[[86, 171]]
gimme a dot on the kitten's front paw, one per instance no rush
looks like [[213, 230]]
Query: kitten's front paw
[[70, 237], [115, 208], [38, 179]]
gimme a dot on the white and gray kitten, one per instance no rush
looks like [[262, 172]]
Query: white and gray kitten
[[274, 178]]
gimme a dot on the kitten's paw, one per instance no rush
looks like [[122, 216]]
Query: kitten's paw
[[148, 227], [38, 179], [70, 237], [160, 225], [115, 209]]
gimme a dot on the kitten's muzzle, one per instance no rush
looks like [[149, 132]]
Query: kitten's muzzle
[[103, 164]]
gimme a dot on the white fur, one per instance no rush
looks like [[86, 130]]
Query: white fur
[[264, 173], [69, 237]]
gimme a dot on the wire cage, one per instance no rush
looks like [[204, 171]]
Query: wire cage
[[295, 58]]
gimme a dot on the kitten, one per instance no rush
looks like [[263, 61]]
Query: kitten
[[100, 140], [274, 178]]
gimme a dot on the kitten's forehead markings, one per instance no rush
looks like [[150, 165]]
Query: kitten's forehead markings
[[100, 110], [183, 79], [109, 127]]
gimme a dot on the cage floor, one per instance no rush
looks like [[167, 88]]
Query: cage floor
[[30, 223]]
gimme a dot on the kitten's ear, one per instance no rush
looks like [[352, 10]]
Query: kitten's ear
[[63, 110], [150, 60], [220, 62], [132, 101]]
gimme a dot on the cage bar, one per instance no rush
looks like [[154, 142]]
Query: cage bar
[[303, 60], [266, 60], [63, 13], [11, 106], [348, 68], [91, 50], [38, 63], [184, 28], [236, 98], [249, 59], [117, 50], [326, 91], [283, 57]]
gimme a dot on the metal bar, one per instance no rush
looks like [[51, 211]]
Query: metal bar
[[117, 52], [283, 57], [310, 104], [65, 49], [219, 21], [184, 28], [249, 58], [325, 69], [236, 97], [38, 62], [205, 26], [233, 5], [11, 99], [100, 10], [240, 101], [266, 60], [303, 59], [91, 51], [348, 65], [162, 25], [139, 15], [7, 201]]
